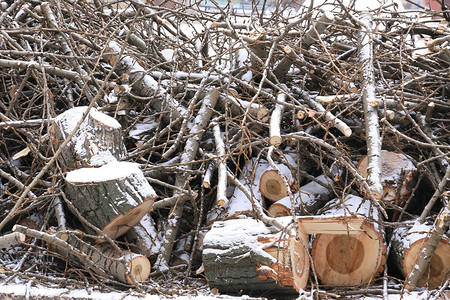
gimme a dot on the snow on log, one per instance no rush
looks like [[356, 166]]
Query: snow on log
[[114, 197], [102, 259], [145, 85], [247, 256], [352, 257], [275, 121], [398, 175], [271, 183], [98, 140], [407, 244], [11, 239], [309, 199], [239, 205]]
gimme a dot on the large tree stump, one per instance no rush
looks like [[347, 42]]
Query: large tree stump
[[397, 175], [354, 258], [247, 256], [407, 244], [114, 197], [97, 141], [308, 200]]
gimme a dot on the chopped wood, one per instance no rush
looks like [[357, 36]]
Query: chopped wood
[[114, 197], [408, 242]]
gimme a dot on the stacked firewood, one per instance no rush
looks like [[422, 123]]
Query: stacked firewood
[[267, 150]]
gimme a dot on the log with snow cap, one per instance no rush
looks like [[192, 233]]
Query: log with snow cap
[[352, 257], [98, 140], [114, 197], [398, 175], [246, 255], [407, 244]]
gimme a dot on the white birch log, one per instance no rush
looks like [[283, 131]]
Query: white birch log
[[11, 239], [370, 103], [98, 140], [407, 244], [221, 197], [238, 106], [352, 258], [114, 197], [145, 85], [275, 121]]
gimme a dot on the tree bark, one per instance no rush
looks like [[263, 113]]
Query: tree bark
[[98, 140], [114, 197], [408, 244], [247, 256]]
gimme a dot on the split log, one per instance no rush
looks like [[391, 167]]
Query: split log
[[353, 258], [97, 141], [247, 256], [102, 259], [407, 245], [398, 175], [309, 199], [114, 197]]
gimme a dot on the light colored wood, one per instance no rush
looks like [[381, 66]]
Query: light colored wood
[[299, 258], [407, 245], [347, 250], [348, 259], [11, 239], [332, 225], [272, 186], [308, 200], [394, 167]]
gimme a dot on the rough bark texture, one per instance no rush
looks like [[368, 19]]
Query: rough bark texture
[[114, 197], [407, 245], [245, 255], [97, 141]]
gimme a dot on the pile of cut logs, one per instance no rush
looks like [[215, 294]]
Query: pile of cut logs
[[272, 150]]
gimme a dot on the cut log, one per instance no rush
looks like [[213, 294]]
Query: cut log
[[407, 244], [309, 199], [97, 141], [352, 258], [398, 175], [271, 183], [114, 197], [247, 256], [144, 85], [102, 259], [11, 239]]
